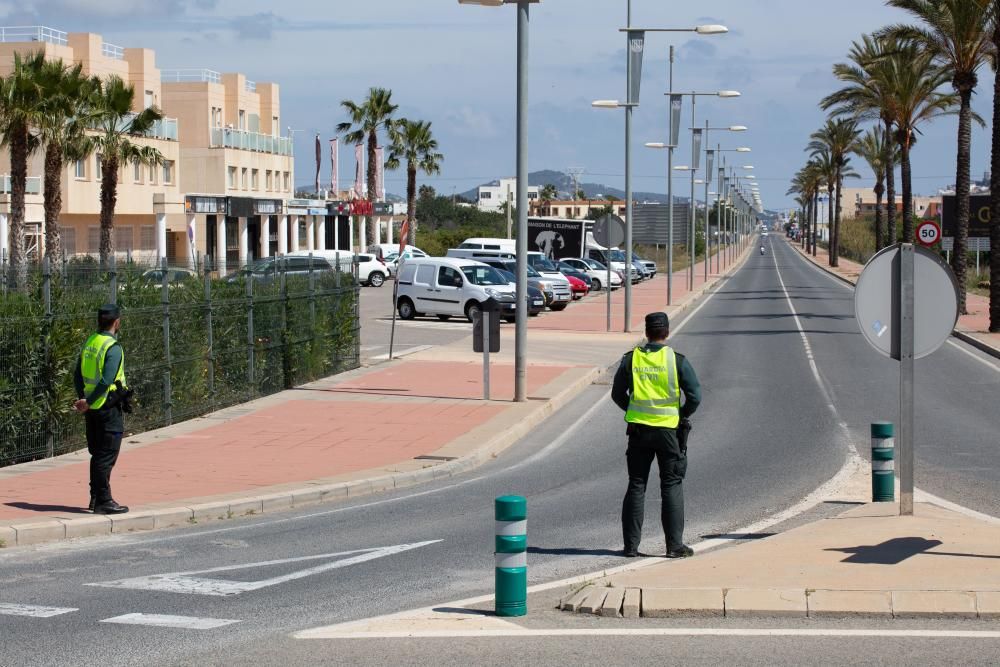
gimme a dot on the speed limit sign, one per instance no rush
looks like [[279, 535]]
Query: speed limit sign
[[928, 233]]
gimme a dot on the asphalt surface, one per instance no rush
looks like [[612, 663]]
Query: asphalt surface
[[766, 436]]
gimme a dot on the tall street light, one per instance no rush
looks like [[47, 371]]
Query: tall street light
[[709, 156], [521, 326], [635, 38]]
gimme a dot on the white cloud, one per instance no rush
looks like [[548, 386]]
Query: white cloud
[[466, 121]]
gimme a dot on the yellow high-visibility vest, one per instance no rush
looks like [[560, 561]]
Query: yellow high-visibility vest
[[656, 393], [92, 366]]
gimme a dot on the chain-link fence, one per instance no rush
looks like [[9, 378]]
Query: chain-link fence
[[193, 342]]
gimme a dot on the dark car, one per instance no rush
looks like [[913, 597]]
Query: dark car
[[267, 269], [536, 299], [535, 279], [174, 275], [570, 270]]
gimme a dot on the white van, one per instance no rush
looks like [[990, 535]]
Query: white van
[[449, 287], [503, 245]]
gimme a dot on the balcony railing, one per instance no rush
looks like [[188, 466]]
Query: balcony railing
[[190, 76], [34, 185], [165, 128], [112, 51], [251, 141], [33, 33], [251, 86]]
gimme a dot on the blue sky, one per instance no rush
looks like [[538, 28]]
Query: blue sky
[[454, 66]]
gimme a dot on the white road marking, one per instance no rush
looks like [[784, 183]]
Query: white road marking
[[921, 496], [961, 348], [184, 582], [168, 621], [671, 632], [9, 609]]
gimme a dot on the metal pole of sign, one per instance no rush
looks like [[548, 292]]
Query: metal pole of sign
[[906, 336], [485, 315], [608, 285], [395, 292], [670, 188]]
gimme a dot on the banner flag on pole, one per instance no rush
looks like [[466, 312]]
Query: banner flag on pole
[[359, 159], [379, 173], [676, 102], [334, 167], [636, 46], [709, 160], [696, 151], [319, 160], [404, 233]]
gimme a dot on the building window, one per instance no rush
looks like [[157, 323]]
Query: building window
[[275, 126], [147, 237], [168, 172], [532, 195], [93, 239], [152, 174], [216, 117], [123, 238], [232, 178], [255, 179], [68, 236], [80, 169], [136, 172], [243, 119], [288, 181], [99, 171], [244, 178], [268, 180], [486, 195]]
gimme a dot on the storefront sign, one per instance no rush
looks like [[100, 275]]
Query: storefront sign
[[206, 205]]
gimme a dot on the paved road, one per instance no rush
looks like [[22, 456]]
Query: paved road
[[766, 436]]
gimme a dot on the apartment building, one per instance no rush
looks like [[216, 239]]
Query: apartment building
[[492, 197], [228, 170], [573, 208]]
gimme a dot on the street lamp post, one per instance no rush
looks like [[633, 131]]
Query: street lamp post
[[521, 311]]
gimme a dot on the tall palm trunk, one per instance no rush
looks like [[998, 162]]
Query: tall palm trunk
[[411, 202], [815, 223], [835, 233], [109, 198], [879, 233], [959, 258], [995, 189], [18, 184], [53, 200], [905, 175], [890, 188], [831, 189], [372, 190]]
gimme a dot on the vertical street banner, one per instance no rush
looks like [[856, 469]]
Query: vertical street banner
[[676, 102], [636, 45], [334, 167], [359, 159], [319, 160], [380, 173], [709, 160], [696, 150]]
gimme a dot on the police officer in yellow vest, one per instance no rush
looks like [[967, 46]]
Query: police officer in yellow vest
[[100, 388], [648, 386]]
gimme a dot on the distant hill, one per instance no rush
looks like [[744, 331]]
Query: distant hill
[[564, 184]]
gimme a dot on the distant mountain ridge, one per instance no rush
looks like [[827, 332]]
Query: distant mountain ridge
[[564, 184]]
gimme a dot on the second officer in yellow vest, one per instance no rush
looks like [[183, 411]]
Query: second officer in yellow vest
[[649, 386]]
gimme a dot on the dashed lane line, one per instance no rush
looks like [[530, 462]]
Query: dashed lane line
[[168, 621], [10, 609]]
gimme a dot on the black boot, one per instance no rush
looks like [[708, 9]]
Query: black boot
[[110, 507]]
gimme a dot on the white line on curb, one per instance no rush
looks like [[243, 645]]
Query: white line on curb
[[673, 632], [168, 621], [7, 609]]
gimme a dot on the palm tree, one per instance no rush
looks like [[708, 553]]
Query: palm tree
[[20, 98], [116, 126], [547, 194], [836, 141], [373, 114], [958, 33], [874, 148], [61, 128], [413, 141], [867, 96], [914, 81]]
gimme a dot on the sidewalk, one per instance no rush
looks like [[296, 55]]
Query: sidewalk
[[972, 328], [865, 562], [386, 426]]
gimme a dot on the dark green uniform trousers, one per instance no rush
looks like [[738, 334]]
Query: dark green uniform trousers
[[644, 444]]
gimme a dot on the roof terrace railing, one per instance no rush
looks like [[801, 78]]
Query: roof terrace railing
[[33, 33]]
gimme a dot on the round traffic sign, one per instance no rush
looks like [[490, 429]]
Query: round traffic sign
[[928, 233], [609, 230], [935, 302]]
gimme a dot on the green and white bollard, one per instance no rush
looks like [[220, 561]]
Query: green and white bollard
[[511, 513], [883, 463]]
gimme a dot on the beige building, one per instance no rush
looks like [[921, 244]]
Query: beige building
[[572, 209], [857, 202], [226, 178]]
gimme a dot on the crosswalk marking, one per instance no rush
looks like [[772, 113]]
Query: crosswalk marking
[[168, 621], [9, 609]]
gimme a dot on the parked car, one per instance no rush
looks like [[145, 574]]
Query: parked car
[[580, 288], [536, 298], [392, 259], [344, 257], [597, 272], [266, 270], [640, 269], [557, 292], [568, 270], [174, 275], [548, 270], [650, 266], [449, 287]]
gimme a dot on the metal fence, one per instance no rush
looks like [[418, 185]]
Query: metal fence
[[193, 343]]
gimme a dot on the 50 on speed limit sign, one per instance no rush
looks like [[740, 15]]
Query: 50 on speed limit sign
[[928, 233]]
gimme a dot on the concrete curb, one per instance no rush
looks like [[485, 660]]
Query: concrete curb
[[964, 336], [32, 532], [781, 603]]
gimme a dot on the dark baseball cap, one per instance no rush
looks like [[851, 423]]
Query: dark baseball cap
[[110, 311], [657, 321]]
